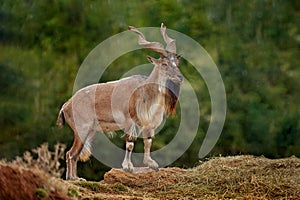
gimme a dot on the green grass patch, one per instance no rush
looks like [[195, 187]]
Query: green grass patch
[[93, 186]]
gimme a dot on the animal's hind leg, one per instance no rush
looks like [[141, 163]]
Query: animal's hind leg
[[72, 158], [148, 161]]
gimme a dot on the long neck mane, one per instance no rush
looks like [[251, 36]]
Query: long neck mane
[[171, 97], [153, 97], [167, 89]]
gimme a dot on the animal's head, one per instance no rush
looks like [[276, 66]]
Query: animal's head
[[167, 64], [167, 67]]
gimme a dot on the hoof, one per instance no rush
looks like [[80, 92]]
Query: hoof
[[75, 179], [130, 170], [155, 168], [127, 166], [151, 164], [80, 179]]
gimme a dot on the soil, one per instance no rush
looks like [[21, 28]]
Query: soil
[[236, 177], [17, 183]]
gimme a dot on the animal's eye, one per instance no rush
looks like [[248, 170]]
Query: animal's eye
[[164, 64]]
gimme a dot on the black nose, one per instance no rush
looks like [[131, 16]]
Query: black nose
[[180, 77]]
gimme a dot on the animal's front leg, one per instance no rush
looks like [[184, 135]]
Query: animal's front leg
[[148, 161], [127, 164]]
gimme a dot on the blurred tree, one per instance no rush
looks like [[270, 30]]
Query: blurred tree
[[255, 44]]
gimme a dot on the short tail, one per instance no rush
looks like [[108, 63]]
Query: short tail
[[60, 119], [86, 150]]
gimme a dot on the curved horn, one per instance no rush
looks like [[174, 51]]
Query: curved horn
[[153, 46], [171, 43]]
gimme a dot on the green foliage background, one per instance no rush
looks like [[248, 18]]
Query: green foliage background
[[255, 44]]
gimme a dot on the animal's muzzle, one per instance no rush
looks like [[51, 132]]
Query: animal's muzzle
[[177, 79], [180, 77]]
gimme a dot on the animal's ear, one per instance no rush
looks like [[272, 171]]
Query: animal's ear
[[152, 60]]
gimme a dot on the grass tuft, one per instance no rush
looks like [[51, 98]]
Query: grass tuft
[[41, 194], [119, 187], [93, 186], [72, 192]]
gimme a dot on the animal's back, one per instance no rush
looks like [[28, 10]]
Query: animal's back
[[102, 104]]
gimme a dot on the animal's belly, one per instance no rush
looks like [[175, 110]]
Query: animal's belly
[[109, 126]]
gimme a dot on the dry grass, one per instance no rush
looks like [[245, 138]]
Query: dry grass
[[240, 177], [43, 159]]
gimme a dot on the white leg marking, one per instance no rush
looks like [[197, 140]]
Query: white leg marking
[[127, 164]]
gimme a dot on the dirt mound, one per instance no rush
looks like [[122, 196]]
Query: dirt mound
[[17, 183], [218, 178], [145, 177]]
